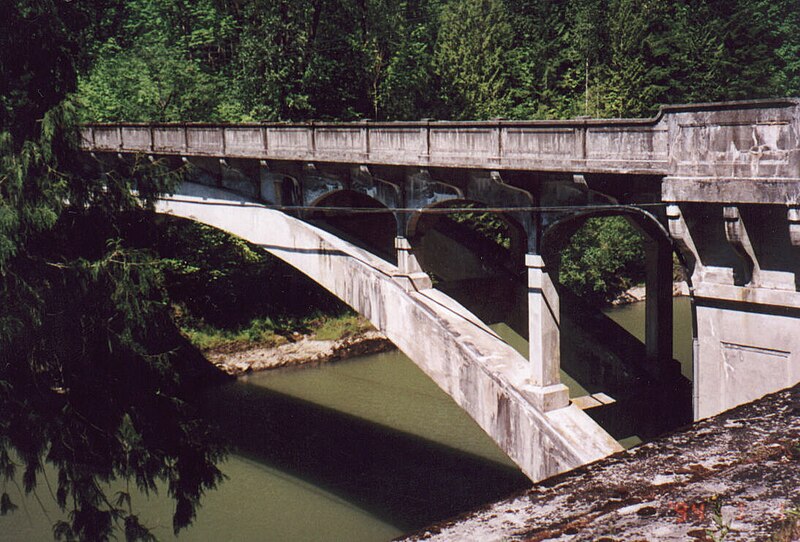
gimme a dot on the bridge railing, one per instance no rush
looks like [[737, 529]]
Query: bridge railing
[[562, 146], [752, 139]]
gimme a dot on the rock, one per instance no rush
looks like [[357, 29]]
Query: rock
[[303, 351]]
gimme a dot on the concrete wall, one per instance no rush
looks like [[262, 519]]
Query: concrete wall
[[482, 373], [747, 353], [745, 275]]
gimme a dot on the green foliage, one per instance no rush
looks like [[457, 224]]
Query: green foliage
[[221, 281], [334, 328], [92, 384], [489, 225], [411, 59], [166, 65], [635, 77], [472, 58], [603, 258], [87, 380], [259, 332], [151, 84]]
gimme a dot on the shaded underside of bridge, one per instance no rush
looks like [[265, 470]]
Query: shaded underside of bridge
[[718, 184]]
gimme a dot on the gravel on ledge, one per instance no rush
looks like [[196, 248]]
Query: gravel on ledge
[[733, 477]]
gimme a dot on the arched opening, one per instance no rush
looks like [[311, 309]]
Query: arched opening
[[625, 353], [475, 257], [373, 231]]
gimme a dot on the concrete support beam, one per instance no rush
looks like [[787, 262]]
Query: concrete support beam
[[736, 234], [658, 307], [679, 232], [544, 336], [411, 275], [793, 216]]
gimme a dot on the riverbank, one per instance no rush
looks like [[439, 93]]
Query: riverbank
[[303, 350], [638, 293]]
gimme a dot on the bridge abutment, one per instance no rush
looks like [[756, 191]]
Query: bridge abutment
[[744, 279]]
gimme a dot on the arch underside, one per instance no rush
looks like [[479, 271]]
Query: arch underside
[[652, 394], [482, 373]]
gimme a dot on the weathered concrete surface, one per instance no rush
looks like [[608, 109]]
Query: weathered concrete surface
[[745, 271], [733, 477], [482, 373], [734, 140]]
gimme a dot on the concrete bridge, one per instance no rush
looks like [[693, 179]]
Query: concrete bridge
[[717, 184]]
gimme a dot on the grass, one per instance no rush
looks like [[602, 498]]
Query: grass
[[266, 332], [339, 327], [260, 332]]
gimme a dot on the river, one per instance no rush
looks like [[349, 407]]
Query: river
[[363, 449]]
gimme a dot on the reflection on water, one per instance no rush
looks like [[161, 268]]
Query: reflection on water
[[632, 318], [376, 434], [365, 449]]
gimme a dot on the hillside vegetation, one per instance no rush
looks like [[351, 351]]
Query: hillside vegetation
[[234, 60]]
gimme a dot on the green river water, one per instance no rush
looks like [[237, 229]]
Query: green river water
[[364, 449]]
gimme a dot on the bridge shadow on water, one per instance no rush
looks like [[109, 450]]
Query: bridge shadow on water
[[403, 479], [597, 356]]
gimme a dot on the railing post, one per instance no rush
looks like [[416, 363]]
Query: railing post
[[365, 137], [497, 143], [425, 135]]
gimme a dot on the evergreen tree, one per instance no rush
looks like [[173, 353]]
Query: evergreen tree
[[408, 89], [85, 339], [635, 76], [471, 58]]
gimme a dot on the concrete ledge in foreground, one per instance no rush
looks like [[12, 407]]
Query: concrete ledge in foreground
[[732, 477]]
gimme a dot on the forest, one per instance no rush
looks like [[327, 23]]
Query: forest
[[273, 60]]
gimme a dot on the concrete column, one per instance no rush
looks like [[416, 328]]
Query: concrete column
[[794, 225], [544, 337], [658, 304], [410, 275]]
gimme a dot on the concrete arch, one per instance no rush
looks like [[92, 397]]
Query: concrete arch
[[482, 373], [566, 226], [457, 251], [374, 231], [386, 192], [521, 236], [659, 246], [655, 367]]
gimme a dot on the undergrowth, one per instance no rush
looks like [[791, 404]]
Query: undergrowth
[[268, 332]]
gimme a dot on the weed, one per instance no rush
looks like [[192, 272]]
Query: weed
[[721, 526], [335, 328]]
